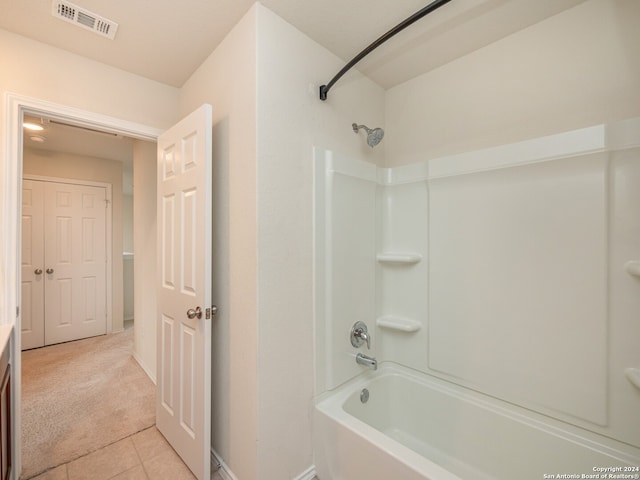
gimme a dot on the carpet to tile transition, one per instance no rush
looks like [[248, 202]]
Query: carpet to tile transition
[[80, 396]]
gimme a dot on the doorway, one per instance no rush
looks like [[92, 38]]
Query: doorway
[[17, 107], [74, 154]]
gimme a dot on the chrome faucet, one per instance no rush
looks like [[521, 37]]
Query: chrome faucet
[[367, 361], [359, 335]]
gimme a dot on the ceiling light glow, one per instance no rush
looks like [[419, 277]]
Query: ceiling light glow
[[33, 126]]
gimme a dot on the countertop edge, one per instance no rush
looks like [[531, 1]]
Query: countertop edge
[[5, 335]]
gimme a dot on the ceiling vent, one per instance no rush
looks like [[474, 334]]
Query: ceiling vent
[[84, 18]]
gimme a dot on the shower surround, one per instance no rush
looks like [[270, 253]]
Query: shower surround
[[497, 289]]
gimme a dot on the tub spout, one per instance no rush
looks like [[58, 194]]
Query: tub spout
[[367, 361]]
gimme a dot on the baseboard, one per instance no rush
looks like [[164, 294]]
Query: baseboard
[[308, 474], [223, 469], [144, 367], [225, 472]]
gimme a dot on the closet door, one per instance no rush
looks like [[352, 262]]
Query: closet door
[[32, 309], [75, 262]]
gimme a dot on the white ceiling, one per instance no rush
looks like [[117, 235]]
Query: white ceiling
[[166, 40], [455, 29]]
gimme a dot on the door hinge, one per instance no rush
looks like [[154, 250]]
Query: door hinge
[[17, 312]]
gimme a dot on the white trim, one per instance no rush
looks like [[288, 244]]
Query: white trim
[[308, 474], [412, 173], [11, 172], [79, 117], [338, 163], [224, 471], [144, 367], [71, 181], [108, 233], [623, 134], [605, 137], [552, 147], [615, 136]]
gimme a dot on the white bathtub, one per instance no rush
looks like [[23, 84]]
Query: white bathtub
[[416, 428]]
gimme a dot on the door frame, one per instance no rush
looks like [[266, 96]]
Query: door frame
[[108, 233], [11, 173]]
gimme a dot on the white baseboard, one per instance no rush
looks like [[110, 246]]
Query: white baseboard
[[308, 474], [225, 472], [144, 367]]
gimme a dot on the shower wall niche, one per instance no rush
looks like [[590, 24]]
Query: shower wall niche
[[501, 270]]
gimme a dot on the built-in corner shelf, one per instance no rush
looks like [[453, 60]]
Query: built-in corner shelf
[[397, 257], [632, 267], [399, 324], [633, 375]]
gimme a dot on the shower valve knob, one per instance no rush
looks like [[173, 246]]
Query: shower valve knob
[[360, 335]]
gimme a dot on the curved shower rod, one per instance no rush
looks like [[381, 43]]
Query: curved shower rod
[[324, 89]]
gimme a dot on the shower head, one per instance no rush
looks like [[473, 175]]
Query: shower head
[[374, 135]]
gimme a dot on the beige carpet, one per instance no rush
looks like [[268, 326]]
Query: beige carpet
[[80, 396]]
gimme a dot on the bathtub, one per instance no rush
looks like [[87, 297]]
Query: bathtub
[[415, 427]]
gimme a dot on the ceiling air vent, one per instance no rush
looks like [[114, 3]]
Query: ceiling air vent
[[81, 17]]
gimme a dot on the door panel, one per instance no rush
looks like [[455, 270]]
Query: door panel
[[183, 409], [32, 309], [75, 253]]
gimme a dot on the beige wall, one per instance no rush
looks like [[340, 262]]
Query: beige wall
[[127, 265], [291, 121], [262, 82], [227, 80], [64, 165], [144, 249], [127, 223], [33, 69], [576, 69]]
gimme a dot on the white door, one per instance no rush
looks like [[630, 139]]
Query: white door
[[63, 262], [75, 262], [183, 400]]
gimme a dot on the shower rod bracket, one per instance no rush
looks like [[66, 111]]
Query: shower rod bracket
[[324, 89]]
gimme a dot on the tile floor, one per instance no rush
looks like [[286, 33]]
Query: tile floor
[[145, 455]]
